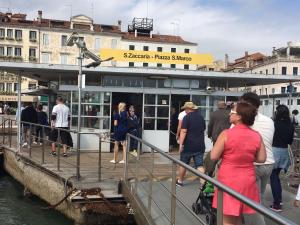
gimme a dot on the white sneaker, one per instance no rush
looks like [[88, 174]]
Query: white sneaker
[[134, 153], [113, 161], [122, 162], [35, 143], [24, 145]]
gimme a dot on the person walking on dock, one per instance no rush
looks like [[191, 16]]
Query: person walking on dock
[[60, 118], [283, 136], [191, 141], [238, 147], [265, 127], [120, 131], [42, 119], [28, 115]]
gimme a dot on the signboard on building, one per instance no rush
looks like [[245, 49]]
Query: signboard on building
[[13, 98], [157, 57]]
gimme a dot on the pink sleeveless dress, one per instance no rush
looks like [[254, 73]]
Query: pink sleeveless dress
[[237, 169]]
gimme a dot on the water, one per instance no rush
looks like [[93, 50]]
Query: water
[[15, 209]]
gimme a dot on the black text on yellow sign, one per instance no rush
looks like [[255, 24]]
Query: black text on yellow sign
[[157, 57]]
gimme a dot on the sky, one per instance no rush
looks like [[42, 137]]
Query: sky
[[217, 26]]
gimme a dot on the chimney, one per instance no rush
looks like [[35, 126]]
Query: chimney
[[40, 14], [226, 60], [274, 51], [9, 15], [120, 24]]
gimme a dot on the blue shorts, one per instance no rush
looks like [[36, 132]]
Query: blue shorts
[[197, 158]]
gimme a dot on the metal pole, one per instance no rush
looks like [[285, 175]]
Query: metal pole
[[173, 197], [10, 132], [99, 159], [19, 113], [126, 160], [43, 146], [80, 58], [29, 141], [58, 150], [220, 208], [290, 96], [3, 130], [151, 182]]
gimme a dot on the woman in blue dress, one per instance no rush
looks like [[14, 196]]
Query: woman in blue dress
[[120, 131]]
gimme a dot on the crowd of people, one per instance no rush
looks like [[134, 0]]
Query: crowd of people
[[36, 134], [249, 148]]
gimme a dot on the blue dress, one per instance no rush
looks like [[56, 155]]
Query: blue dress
[[122, 127]]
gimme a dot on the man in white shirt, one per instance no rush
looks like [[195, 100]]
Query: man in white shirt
[[180, 118], [60, 119], [265, 127]]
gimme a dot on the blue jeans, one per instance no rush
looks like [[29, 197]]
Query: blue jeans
[[197, 157], [276, 186]]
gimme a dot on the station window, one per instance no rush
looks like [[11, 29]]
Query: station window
[[173, 66], [173, 49], [150, 83], [283, 90], [267, 72], [298, 101], [273, 90], [159, 49], [186, 67], [9, 51], [2, 88], [9, 87], [64, 40], [2, 51], [295, 70], [2, 33], [159, 65], [273, 70], [186, 50], [283, 70], [146, 48], [45, 39], [32, 35], [95, 110], [10, 34], [18, 52], [15, 87], [145, 64], [156, 112], [131, 47], [288, 102], [18, 34], [97, 43], [131, 64]]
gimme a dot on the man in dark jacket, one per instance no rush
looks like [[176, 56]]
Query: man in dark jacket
[[28, 115], [219, 121]]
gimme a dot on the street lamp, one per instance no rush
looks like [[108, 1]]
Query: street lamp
[[83, 53]]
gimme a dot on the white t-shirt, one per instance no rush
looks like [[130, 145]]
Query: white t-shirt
[[265, 127], [298, 194], [181, 115], [62, 112]]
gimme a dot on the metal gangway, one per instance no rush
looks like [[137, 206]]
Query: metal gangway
[[157, 201]]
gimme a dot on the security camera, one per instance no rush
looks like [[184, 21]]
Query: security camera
[[72, 39], [208, 88]]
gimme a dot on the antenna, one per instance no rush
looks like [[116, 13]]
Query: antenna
[[147, 8], [92, 9], [71, 8]]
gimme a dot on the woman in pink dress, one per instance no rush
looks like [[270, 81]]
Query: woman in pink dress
[[238, 148]]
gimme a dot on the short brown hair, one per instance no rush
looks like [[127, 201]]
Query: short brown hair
[[247, 112]]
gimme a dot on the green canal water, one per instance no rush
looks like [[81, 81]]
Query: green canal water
[[15, 209]]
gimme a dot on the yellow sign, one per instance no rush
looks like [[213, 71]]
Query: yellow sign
[[157, 57]]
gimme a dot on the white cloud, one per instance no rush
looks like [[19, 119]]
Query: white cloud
[[232, 27]]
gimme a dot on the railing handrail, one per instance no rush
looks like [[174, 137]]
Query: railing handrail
[[258, 207]]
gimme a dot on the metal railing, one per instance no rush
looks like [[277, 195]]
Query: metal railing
[[6, 125], [133, 183]]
